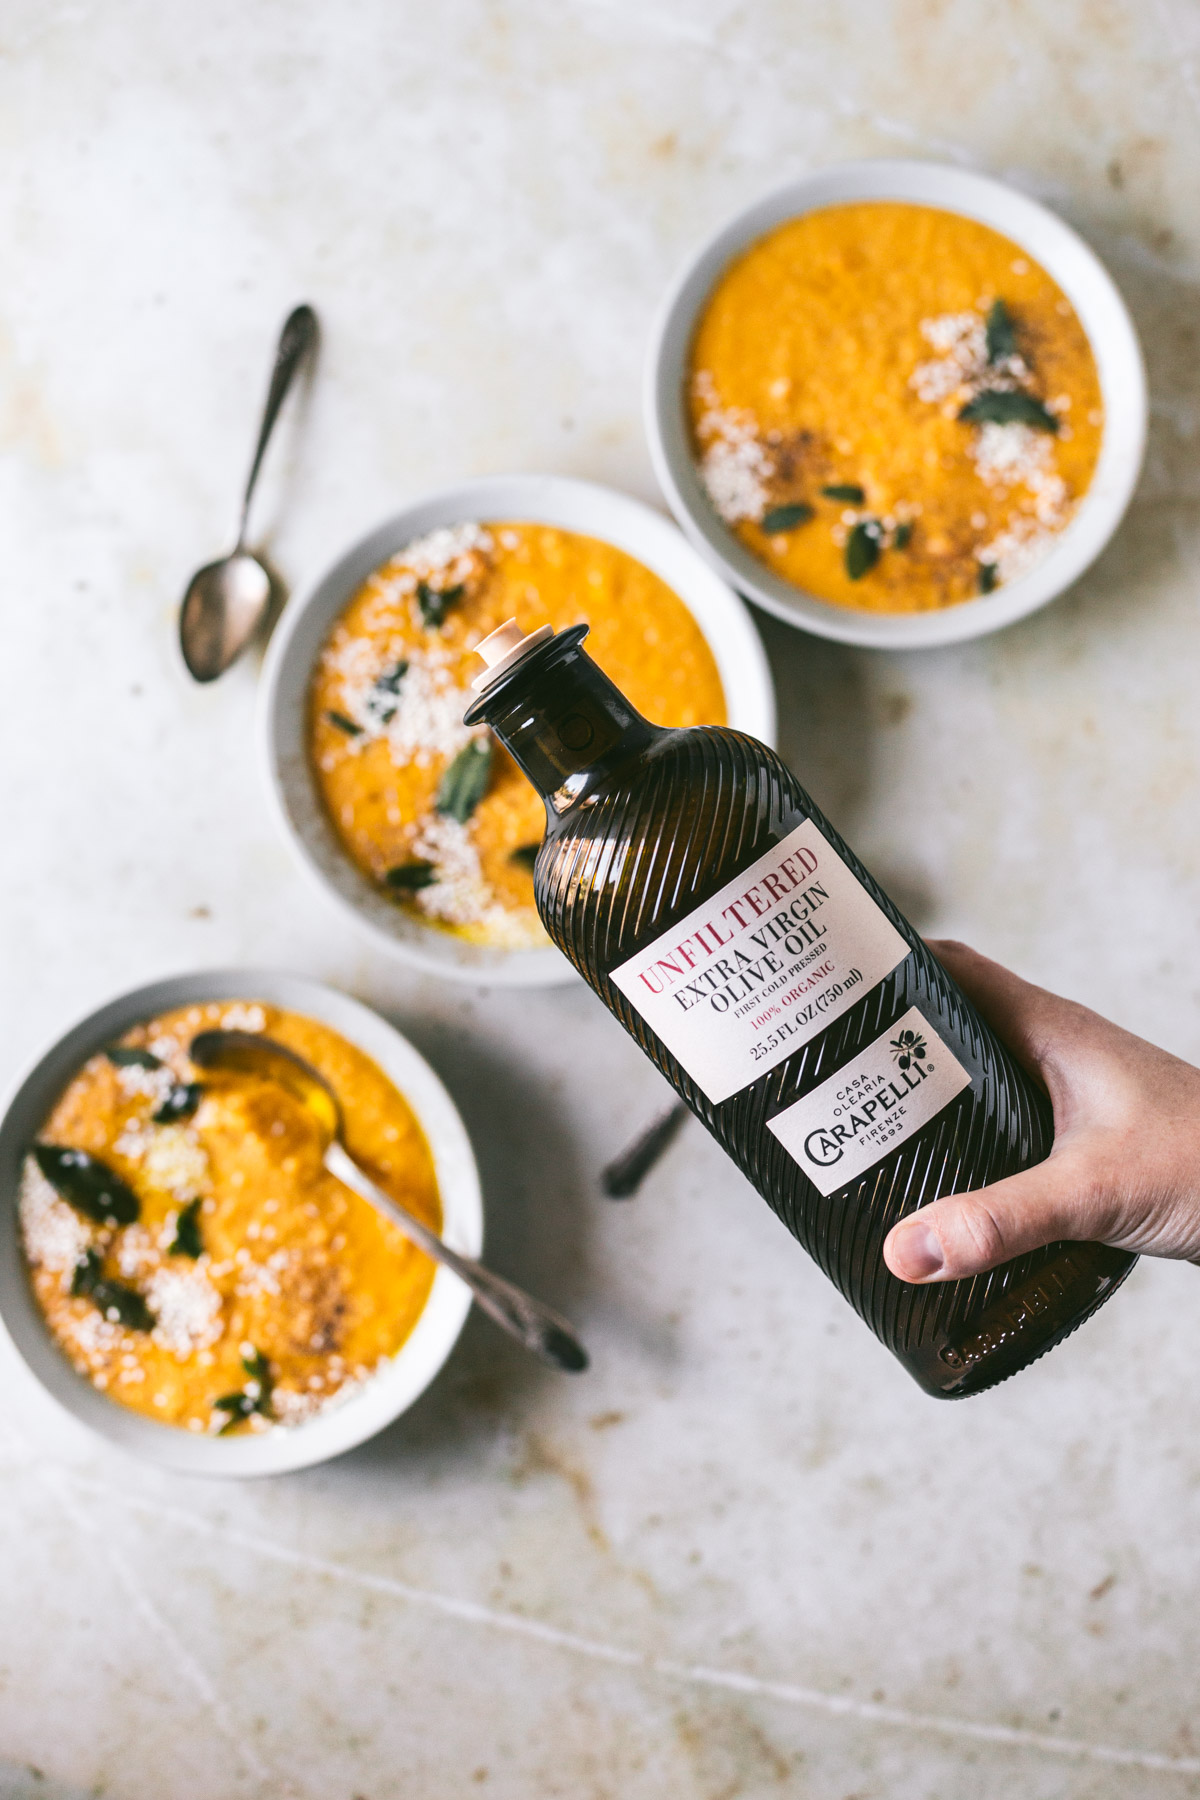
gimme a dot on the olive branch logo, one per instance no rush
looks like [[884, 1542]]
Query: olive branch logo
[[908, 1048]]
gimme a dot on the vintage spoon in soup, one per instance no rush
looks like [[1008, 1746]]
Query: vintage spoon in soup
[[226, 600], [526, 1319]]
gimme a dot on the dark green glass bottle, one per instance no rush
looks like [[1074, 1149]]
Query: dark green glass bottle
[[698, 889]]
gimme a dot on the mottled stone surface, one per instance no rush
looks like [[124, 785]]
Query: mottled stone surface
[[744, 1557]]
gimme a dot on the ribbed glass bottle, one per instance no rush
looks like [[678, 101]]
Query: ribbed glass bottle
[[698, 889]]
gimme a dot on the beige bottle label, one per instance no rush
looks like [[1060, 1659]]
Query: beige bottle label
[[764, 965], [873, 1103]]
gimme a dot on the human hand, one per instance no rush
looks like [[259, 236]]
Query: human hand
[[1125, 1167]]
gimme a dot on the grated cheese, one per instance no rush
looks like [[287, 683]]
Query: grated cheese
[[96, 1339], [1018, 549], [175, 1160], [960, 367], [241, 1017], [734, 465], [442, 551], [137, 1253], [134, 1141], [1015, 454], [255, 1278], [54, 1235], [153, 1084], [960, 343], [187, 1309], [418, 714], [422, 720], [461, 895], [295, 1406], [357, 659], [1005, 456]]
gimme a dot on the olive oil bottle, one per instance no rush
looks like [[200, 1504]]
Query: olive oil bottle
[[697, 888]]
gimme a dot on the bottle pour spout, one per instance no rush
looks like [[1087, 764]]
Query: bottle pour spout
[[505, 647]]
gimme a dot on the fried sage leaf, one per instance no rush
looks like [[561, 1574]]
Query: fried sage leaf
[[121, 1305], [181, 1102], [1008, 407], [407, 877], [902, 536], [786, 518], [849, 491], [86, 1274], [187, 1240], [862, 548], [383, 702], [525, 855], [257, 1368], [465, 782], [87, 1184], [124, 1056], [254, 1397], [1001, 333], [389, 681], [435, 603], [989, 575], [239, 1406], [344, 724]]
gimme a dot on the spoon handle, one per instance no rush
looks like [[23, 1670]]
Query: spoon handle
[[625, 1174], [296, 340], [542, 1331]]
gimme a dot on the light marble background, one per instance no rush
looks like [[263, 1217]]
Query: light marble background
[[744, 1557]]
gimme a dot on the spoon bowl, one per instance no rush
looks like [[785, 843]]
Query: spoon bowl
[[543, 1332], [249, 1053], [222, 609]]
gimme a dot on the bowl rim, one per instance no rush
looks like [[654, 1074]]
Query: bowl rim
[[563, 501], [423, 1353], [1046, 238]]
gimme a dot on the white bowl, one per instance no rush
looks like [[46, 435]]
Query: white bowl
[[423, 1352], [541, 499], [1048, 241]]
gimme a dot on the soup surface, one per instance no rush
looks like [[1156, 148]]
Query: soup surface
[[439, 816], [251, 1289], [893, 407]]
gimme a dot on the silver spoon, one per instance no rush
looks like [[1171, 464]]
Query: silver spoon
[[526, 1319], [226, 600]]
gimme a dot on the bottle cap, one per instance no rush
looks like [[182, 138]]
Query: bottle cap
[[506, 646]]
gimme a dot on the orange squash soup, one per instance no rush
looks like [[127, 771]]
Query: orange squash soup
[[893, 407], [435, 812], [189, 1251]]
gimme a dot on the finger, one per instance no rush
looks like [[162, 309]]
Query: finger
[[966, 1234], [1026, 1018]]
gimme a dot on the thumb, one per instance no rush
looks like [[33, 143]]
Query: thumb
[[966, 1234]]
